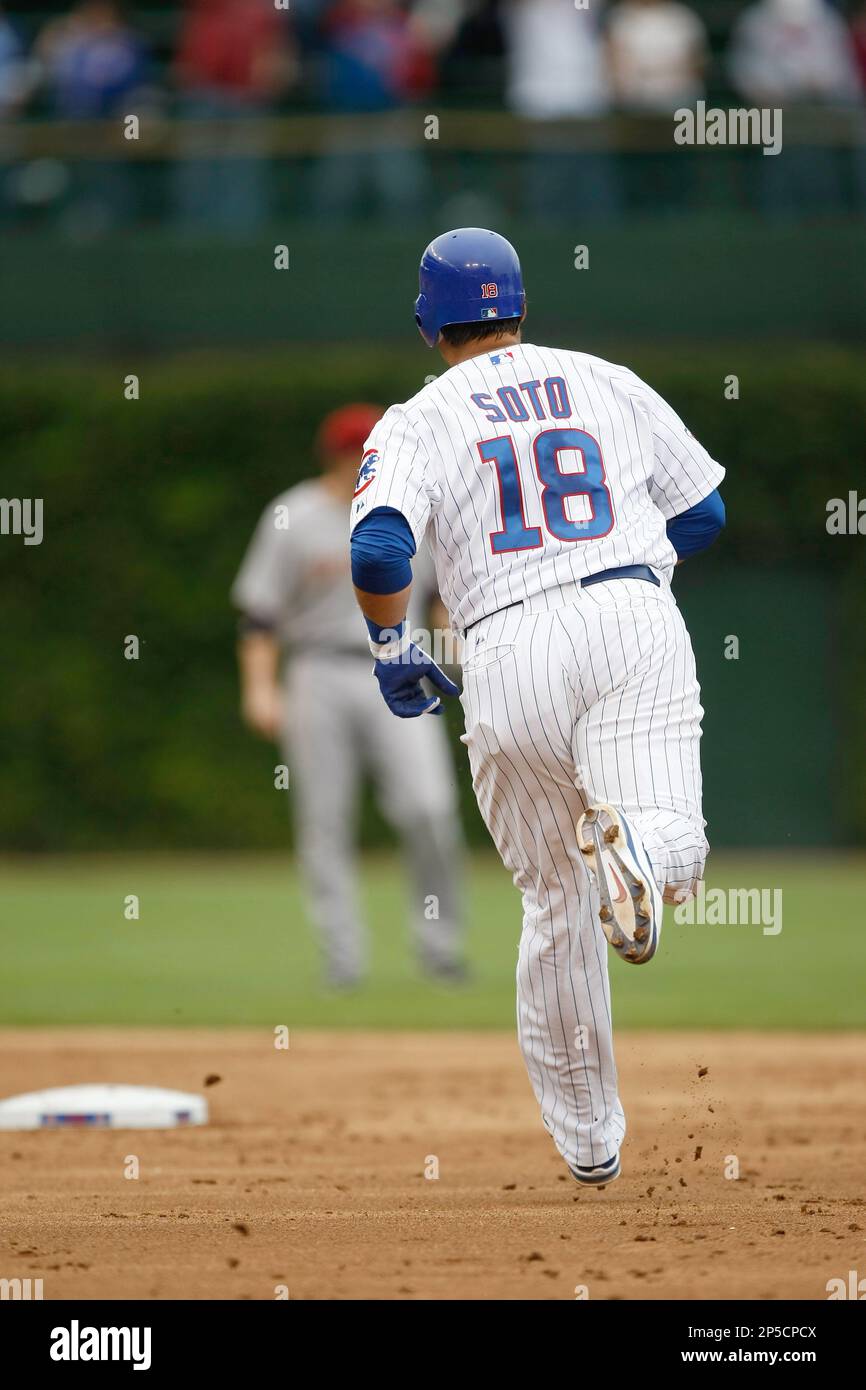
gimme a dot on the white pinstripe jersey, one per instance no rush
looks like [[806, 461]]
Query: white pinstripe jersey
[[528, 468]]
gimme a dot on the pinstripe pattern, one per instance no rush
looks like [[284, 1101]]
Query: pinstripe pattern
[[576, 696], [429, 469], [571, 695]]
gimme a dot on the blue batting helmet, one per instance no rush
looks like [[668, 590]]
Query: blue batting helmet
[[470, 275]]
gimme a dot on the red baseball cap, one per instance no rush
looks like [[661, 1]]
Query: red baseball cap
[[346, 429]]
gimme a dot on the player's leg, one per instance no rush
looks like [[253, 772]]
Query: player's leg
[[415, 779], [519, 702], [637, 749], [630, 901], [324, 773]]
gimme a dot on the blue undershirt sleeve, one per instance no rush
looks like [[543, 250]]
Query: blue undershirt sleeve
[[697, 528], [382, 546]]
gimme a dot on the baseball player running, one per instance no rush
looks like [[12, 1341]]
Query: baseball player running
[[295, 596], [558, 492]]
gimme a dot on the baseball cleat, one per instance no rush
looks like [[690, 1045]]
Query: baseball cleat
[[599, 1175], [631, 905]]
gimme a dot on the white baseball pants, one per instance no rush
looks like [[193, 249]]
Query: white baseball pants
[[574, 696], [337, 728]]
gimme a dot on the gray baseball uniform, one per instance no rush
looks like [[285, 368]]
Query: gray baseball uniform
[[295, 578]]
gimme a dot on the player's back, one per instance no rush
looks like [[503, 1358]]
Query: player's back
[[535, 467]]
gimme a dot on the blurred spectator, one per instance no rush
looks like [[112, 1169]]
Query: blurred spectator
[[792, 51], [94, 63], [13, 68], [657, 52], [95, 67], [234, 60], [374, 58], [555, 60], [555, 68], [377, 59], [789, 52]]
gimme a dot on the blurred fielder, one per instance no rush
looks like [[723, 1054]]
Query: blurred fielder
[[294, 593], [558, 492]]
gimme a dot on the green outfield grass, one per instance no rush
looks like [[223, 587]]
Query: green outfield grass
[[225, 941]]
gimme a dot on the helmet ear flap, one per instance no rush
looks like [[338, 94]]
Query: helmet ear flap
[[422, 317]]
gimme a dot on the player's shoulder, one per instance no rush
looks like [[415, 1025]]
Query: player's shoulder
[[588, 364], [414, 409], [614, 380], [406, 419]]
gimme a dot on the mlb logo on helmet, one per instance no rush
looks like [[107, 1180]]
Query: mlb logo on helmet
[[490, 313]]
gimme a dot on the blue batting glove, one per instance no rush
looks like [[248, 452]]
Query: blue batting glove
[[400, 667]]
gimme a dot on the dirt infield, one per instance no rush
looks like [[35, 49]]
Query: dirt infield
[[311, 1175]]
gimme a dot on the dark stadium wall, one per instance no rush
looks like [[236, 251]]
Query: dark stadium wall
[[714, 277]]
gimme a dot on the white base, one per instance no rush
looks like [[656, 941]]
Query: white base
[[103, 1107]]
